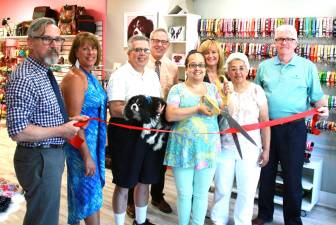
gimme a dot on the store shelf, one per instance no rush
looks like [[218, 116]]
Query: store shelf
[[306, 183], [25, 37], [306, 204], [311, 184], [188, 38]]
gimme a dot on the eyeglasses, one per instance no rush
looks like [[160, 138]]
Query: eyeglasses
[[47, 40], [157, 41], [194, 65], [138, 50], [280, 40]]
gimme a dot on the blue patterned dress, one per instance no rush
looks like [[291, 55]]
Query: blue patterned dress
[[85, 195], [192, 148]]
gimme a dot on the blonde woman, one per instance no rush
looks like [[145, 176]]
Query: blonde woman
[[213, 55]]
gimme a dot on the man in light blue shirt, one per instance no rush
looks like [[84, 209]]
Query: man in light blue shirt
[[291, 85]]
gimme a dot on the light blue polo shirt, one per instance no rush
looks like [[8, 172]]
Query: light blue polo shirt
[[289, 87]]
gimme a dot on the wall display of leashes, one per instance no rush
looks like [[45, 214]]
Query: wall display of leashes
[[321, 27], [254, 37], [234, 34]]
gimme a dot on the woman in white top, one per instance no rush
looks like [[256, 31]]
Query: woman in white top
[[247, 104]]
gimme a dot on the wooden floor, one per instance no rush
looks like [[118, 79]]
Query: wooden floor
[[318, 216]]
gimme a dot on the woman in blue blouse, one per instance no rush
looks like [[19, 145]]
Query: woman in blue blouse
[[191, 150], [83, 95]]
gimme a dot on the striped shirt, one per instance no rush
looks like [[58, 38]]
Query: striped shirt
[[30, 99]]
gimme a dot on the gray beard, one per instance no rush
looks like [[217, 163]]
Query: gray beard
[[51, 60]]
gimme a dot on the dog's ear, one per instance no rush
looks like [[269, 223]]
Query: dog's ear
[[160, 108], [161, 105]]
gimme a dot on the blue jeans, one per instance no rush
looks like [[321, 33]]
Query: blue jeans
[[192, 191]]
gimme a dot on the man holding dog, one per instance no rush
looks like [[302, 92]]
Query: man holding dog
[[134, 163], [167, 73], [37, 121]]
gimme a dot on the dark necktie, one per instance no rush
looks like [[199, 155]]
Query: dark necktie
[[157, 67], [57, 92]]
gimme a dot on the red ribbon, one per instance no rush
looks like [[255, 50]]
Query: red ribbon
[[77, 141]]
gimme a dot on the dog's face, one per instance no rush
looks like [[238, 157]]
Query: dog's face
[[143, 108], [177, 58], [140, 25]]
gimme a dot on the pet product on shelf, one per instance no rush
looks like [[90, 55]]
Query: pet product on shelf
[[308, 151], [176, 33]]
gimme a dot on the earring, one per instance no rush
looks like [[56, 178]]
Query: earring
[[77, 64]]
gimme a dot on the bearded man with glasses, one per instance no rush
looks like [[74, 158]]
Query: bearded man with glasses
[[37, 121], [291, 84]]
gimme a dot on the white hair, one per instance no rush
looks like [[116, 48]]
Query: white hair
[[285, 31], [238, 56]]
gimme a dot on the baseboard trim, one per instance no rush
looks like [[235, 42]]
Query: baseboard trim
[[327, 199]]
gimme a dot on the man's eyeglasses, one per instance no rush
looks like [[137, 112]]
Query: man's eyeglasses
[[138, 50], [157, 41], [47, 40], [280, 40], [194, 65]]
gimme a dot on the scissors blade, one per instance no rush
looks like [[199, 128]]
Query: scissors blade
[[234, 124], [236, 141]]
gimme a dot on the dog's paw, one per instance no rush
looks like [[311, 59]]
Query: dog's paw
[[145, 132], [151, 139]]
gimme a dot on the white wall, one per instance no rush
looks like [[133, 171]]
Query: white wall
[[264, 8]]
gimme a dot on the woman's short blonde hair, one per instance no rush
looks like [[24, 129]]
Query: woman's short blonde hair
[[81, 39], [206, 45]]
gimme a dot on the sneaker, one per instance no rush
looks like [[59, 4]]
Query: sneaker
[[162, 205], [147, 222], [130, 211]]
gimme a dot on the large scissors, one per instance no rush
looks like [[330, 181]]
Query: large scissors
[[226, 117]]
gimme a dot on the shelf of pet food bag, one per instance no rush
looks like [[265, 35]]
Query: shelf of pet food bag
[[311, 183], [22, 43]]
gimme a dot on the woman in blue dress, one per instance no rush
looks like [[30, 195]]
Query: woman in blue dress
[[83, 95], [191, 151]]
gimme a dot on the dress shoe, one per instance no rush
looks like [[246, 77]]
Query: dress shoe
[[162, 205], [147, 222], [131, 211], [259, 221]]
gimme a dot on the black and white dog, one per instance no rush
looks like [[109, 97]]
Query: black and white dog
[[150, 111]]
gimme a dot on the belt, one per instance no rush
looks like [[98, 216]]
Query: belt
[[44, 146], [292, 122]]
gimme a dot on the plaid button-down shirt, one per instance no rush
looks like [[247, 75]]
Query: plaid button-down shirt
[[30, 99]]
